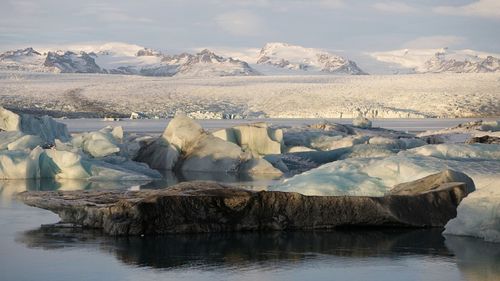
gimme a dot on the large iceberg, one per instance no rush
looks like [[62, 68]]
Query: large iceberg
[[45, 127], [185, 146], [59, 164], [374, 176], [257, 138], [41, 148], [477, 215]]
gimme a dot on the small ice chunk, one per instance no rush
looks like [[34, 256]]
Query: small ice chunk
[[362, 122]]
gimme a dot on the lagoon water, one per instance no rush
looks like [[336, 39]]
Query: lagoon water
[[31, 252]]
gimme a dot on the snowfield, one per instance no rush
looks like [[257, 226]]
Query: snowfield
[[316, 96]]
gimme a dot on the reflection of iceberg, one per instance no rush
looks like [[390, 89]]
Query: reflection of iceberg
[[477, 260], [244, 249]]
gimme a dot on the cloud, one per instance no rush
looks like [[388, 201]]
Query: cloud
[[331, 3], [394, 7], [240, 23], [430, 42], [110, 13], [283, 4], [480, 8]]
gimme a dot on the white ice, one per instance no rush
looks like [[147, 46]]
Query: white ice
[[375, 176]]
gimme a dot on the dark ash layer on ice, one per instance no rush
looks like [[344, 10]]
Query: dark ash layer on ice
[[211, 207]]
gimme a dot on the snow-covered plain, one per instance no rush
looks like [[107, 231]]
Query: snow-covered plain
[[396, 96]]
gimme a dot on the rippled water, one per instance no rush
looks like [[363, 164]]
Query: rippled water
[[31, 252]]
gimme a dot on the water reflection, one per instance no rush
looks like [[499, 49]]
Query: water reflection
[[244, 249], [476, 259]]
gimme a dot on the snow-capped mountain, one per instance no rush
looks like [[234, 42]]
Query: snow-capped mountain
[[207, 62], [441, 60], [24, 60], [122, 59], [282, 55], [69, 62]]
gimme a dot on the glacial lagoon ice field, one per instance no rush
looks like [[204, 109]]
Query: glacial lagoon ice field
[[158, 125], [31, 252]]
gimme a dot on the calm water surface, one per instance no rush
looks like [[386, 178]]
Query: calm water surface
[[31, 252]]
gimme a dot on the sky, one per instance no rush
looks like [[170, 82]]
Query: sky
[[182, 25]]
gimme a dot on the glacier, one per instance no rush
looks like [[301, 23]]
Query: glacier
[[312, 96]]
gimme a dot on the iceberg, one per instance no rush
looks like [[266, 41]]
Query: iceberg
[[460, 151], [97, 144], [26, 142], [463, 133], [9, 137], [45, 127], [19, 164], [41, 148], [362, 122], [185, 146], [59, 164], [478, 215], [158, 154], [183, 132], [374, 176], [257, 138]]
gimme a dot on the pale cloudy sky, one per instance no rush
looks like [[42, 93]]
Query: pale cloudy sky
[[353, 26]]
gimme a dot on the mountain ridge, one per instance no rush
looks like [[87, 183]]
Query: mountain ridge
[[294, 57], [441, 60], [272, 59]]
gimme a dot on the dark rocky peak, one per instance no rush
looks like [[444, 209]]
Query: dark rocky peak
[[21, 52], [70, 62], [148, 52]]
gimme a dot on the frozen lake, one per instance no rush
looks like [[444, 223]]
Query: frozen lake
[[29, 252], [158, 125]]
